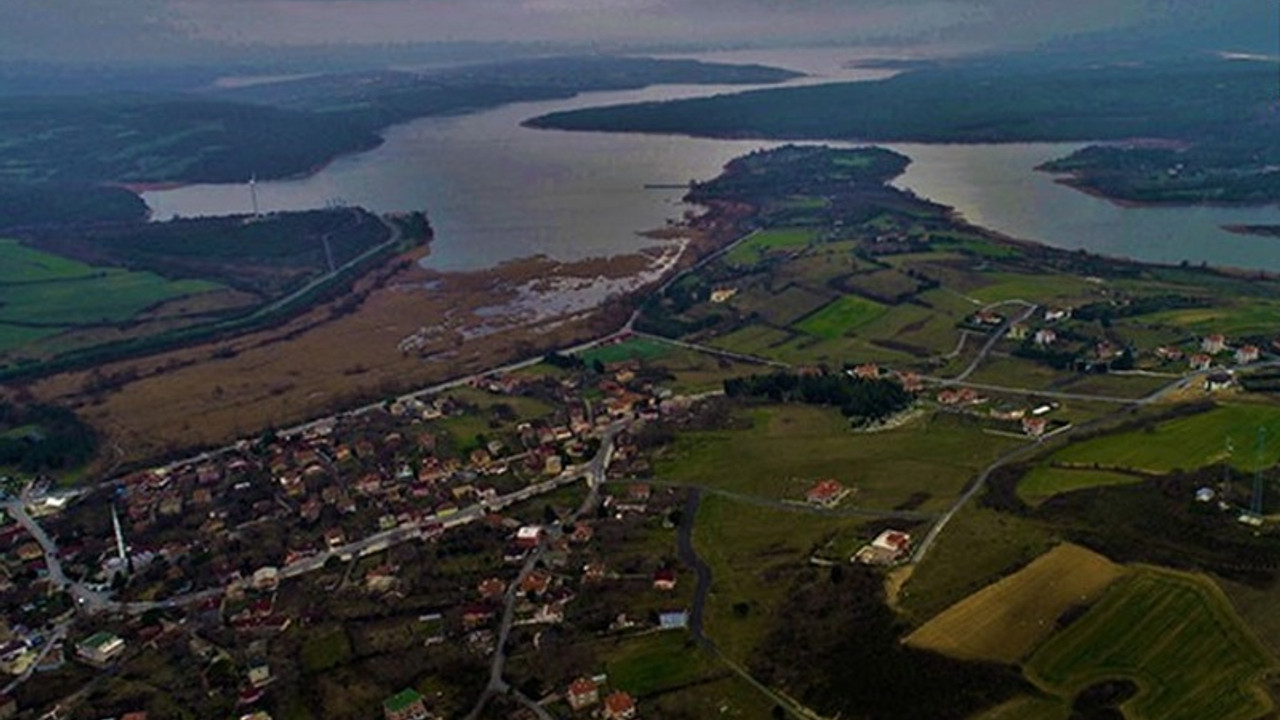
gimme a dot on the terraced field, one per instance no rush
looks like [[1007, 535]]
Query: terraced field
[[1174, 635]]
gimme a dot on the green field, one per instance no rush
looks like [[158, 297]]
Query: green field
[[655, 662], [753, 553], [1044, 482], [978, 545], [111, 296], [21, 264], [789, 447], [752, 250], [1012, 286], [1255, 316], [1187, 443], [780, 308], [16, 336], [751, 340], [634, 349], [840, 317], [1176, 637], [42, 294]]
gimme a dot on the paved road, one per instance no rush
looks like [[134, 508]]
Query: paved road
[[594, 472], [996, 337], [689, 556]]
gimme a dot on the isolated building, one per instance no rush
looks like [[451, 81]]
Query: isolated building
[[100, 648], [827, 493], [405, 705]]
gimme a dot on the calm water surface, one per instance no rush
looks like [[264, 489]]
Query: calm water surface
[[497, 191]]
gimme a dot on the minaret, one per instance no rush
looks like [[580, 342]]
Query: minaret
[[253, 195], [120, 549]]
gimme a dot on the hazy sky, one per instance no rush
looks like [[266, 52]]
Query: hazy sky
[[80, 29]]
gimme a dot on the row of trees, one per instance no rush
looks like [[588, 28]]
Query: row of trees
[[861, 400]]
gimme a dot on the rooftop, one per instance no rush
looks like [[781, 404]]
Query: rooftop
[[402, 700]]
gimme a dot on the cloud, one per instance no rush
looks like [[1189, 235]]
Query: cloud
[[106, 29]]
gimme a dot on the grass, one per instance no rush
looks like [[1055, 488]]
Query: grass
[[21, 264], [525, 408], [655, 662], [1042, 287], [754, 249], [1126, 386], [1253, 317], [42, 294], [977, 545], [114, 296], [697, 372], [1176, 637], [752, 340], [789, 447], [1004, 621], [840, 317], [974, 245], [1045, 482], [753, 553], [882, 284], [781, 308], [324, 649], [16, 336], [1187, 443], [633, 349]]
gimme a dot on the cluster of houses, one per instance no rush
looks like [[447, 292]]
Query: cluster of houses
[[585, 693], [362, 474]]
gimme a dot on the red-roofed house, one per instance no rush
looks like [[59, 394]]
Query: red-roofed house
[[619, 706], [1034, 426], [664, 579], [582, 693], [826, 493], [1214, 344]]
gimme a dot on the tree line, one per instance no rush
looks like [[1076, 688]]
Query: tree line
[[862, 400]]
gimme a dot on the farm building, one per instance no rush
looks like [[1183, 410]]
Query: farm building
[[887, 548]]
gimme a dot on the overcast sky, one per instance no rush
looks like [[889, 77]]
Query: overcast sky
[[124, 29]]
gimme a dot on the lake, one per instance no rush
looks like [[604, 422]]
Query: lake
[[496, 191]]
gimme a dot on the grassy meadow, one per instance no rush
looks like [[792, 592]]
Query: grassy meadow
[[42, 294], [1187, 443], [790, 447]]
